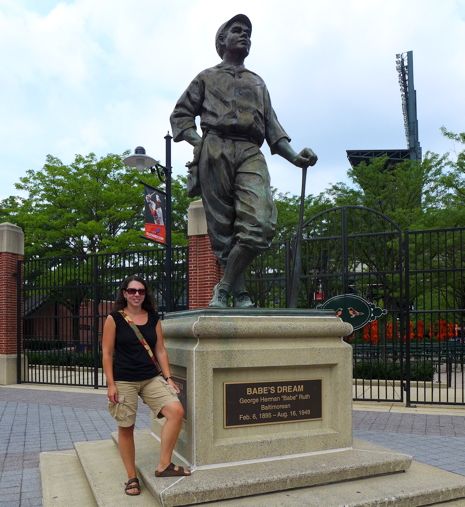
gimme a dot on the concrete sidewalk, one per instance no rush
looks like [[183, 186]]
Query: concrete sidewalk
[[36, 418]]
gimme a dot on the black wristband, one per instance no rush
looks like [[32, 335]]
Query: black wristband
[[167, 378]]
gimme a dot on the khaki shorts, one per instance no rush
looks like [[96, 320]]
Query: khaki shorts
[[155, 392]]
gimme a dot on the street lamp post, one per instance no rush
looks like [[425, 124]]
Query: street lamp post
[[141, 161], [168, 260]]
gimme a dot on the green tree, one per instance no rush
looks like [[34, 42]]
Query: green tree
[[404, 191], [70, 211], [89, 206], [288, 207], [448, 209]]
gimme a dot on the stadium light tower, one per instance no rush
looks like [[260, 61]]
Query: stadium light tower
[[404, 65]]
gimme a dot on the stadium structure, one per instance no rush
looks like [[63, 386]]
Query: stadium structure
[[404, 65]]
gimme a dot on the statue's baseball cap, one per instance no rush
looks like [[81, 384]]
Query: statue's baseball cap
[[238, 17]]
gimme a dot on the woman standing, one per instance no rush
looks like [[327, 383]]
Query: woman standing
[[136, 363]]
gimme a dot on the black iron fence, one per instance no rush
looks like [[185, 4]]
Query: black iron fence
[[65, 301], [268, 277], [413, 352], [435, 332]]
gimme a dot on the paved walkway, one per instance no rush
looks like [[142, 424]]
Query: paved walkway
[[42, 418]]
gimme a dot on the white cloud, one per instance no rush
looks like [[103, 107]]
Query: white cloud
[[82, 76]]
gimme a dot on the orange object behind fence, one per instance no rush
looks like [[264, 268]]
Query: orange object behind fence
[[371, 332], [440, 330]]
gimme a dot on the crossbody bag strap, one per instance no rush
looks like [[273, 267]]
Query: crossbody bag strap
[[140, 337]]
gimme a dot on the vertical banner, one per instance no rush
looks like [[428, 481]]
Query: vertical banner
[[154, 214]]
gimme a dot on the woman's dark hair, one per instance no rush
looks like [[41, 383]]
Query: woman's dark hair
[[148, 304]]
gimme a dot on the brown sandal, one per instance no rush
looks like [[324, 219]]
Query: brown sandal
[[132, 484], [173, 470]]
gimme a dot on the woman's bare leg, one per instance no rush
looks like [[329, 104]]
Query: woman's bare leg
[[174, 413], [127, 451]]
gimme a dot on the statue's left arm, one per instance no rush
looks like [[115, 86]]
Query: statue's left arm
[[304, 158]]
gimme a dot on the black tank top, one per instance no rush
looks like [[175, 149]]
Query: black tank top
[[131, 361]]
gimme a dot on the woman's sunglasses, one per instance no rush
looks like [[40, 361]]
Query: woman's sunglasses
[[132, 291]]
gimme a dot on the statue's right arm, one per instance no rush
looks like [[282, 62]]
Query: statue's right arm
[[191, 136], [187, 108]]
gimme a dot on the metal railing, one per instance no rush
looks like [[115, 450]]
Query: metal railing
[[65, 301]]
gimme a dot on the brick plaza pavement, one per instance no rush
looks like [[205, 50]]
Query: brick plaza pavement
[[436, 438], [36, 420], [42, 418]]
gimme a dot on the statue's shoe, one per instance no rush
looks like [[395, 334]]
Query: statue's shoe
[[242, 300], [220, 298]]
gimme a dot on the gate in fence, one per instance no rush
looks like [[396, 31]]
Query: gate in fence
[[65, 302], [357, 254]]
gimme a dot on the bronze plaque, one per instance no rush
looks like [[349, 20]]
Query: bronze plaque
[[182, 395], [247, 403]]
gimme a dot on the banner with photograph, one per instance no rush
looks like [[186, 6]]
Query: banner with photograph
[[154, 214]]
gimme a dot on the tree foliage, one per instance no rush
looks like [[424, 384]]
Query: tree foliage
[[404, 192], [89, 206], [448, 210], [416, 195]]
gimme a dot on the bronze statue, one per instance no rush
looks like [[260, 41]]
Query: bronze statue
[[236, 116]]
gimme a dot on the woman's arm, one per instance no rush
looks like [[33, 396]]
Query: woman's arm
[[108, 347], [162, 357]]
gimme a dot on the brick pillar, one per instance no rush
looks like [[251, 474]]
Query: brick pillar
[[204, 269], [11, 251]]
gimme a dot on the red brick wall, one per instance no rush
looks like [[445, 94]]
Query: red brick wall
[[8, 302], [204, 271], [40, 324]]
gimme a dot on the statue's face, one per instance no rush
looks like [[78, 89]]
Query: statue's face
[[237, 38]]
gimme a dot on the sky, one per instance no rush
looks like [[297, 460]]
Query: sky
[[103, 76]]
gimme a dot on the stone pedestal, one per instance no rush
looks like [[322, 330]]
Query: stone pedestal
[[260, 384]]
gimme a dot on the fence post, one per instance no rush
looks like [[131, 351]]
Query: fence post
[[449, 368], [96, 318], [204, 271], [11, 252], [405, 316]]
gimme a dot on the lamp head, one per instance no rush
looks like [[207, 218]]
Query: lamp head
[[140, 160]]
